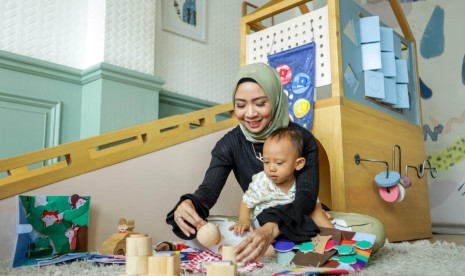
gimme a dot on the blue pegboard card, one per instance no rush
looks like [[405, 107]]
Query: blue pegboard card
[[387, 39], [352, 55], [371, 56], [402, 96], [369, 29], [390, 91], [401, 71], [388, 63], [374, 84]]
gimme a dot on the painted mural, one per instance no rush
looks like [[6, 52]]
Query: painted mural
[[438, 29]]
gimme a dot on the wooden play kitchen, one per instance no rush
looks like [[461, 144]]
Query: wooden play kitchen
[[362, 138]]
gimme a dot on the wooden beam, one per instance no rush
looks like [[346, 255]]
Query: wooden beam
[[270, 3], [268, 10], [304, 9], [402, 20], [257, 27]]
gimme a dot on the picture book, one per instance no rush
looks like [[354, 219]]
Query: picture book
[[50, 226]]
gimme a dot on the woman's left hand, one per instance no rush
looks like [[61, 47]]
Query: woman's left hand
[[257, 242]]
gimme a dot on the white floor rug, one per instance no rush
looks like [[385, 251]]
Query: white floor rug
[[416, 258]]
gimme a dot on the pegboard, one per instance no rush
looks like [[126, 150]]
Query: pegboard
[[292, 33]]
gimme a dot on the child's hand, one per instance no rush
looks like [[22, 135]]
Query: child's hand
[[240, 227]]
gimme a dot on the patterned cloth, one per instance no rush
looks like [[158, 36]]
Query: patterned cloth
[[263, 193], [195, 265]]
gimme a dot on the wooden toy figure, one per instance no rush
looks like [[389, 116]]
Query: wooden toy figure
[[116, 243], [125, 225]]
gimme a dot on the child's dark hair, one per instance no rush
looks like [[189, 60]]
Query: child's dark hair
[[292, 135]]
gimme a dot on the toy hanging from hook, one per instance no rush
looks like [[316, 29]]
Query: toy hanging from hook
[[383, 179], [404, 179], [396, 193]]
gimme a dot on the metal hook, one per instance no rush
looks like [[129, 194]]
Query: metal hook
[[358, 159], [413, 167], [394, 157], [433, 171]]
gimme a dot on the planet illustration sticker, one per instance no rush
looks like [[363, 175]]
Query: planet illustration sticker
[[301, 108], [347, 260], [345, 249], [301, 83], [283, 246], [330, 245], [363, 244], [306, 247], [285, 72]]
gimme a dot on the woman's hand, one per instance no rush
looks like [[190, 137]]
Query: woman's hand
[[257, 242], [185, 212]]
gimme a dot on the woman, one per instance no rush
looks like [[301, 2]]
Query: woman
[[261, 107]]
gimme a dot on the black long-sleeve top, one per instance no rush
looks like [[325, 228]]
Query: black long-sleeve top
[[234, 152]]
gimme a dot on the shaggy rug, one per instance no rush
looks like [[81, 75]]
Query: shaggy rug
[[406, 258]]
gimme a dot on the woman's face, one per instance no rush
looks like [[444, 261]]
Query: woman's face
[[252, 107]]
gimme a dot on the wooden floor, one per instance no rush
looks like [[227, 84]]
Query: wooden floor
[[457, 239]]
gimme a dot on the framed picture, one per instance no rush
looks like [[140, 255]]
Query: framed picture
[[185, 17]]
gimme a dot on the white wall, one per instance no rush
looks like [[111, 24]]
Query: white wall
[[81, 33], [54, 31], [145, 189], [202, 70]]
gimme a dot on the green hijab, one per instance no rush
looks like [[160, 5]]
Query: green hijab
[[270, 82]]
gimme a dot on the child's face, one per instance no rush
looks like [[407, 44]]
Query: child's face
[[280, 161]]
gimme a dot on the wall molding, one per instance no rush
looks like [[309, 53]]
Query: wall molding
[[122, 75], [33, 66], [39, 67], [172, 98], [50, 110]]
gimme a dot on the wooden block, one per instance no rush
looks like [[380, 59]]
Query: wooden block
[[114, 245], [139, 246], [173, 266], [136, 265], [228, 253], [221, 268], [157, 264]]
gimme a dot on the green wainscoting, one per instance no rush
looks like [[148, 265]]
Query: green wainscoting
[[43, 104]]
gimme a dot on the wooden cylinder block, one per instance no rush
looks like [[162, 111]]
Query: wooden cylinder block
[[227, 253], [223, 268], [138, 246], [157, 264], [136, 265], [173, 266]]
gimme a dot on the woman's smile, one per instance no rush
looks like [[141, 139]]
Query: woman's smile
[[252, 107]]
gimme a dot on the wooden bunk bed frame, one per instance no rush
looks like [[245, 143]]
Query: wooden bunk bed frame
[[345, 128]]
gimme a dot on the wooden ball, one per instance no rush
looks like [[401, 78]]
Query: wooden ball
[[209, 235]]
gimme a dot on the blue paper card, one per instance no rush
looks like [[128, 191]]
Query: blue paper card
[[387, 39], [402, 96], [369, 29], [390, 91], [374, 84], [371, 56], [388, 62], [401, 71]]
